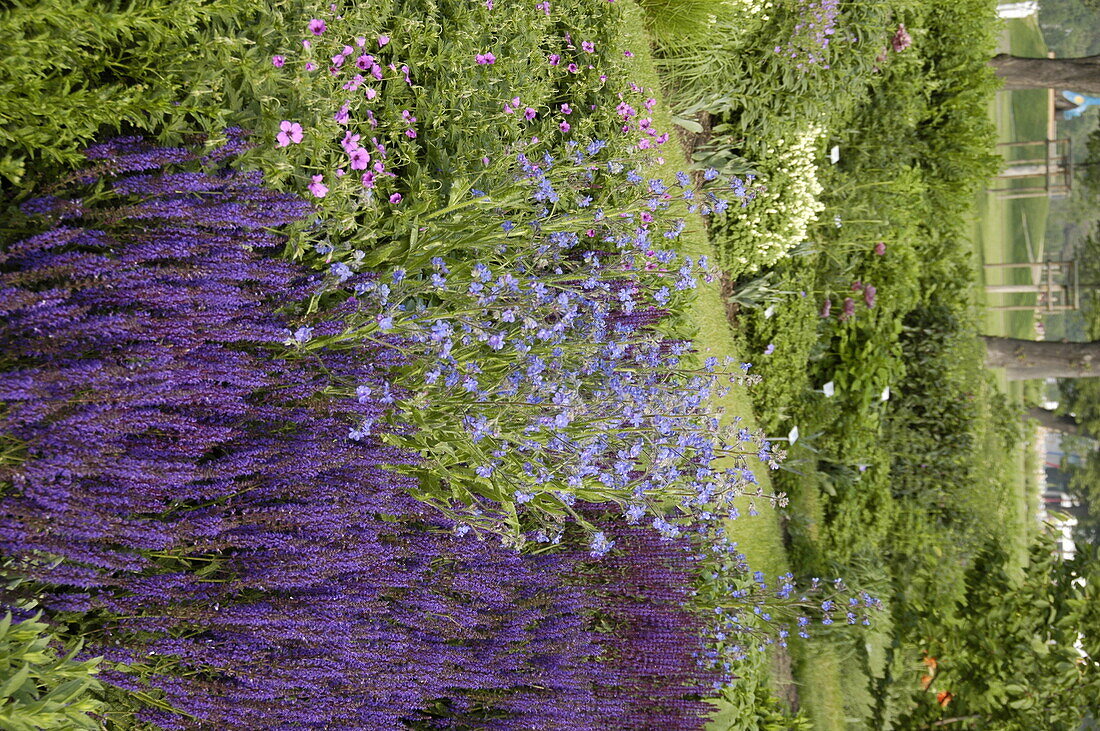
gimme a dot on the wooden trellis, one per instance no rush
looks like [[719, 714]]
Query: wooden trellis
[[1048, 170], [1053, 296]]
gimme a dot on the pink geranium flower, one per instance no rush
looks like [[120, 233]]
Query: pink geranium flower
[[486, 58], [317, 187], [588, 47], [278, 61], [290, 132], [360, 159], [317, 26], [350, 142]]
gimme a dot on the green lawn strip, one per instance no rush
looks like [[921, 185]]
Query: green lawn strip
[[759, 537], [762, 537], [821, 688], [1026, 217], [1013, 230]]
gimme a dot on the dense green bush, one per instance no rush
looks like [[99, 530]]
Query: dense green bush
[[901, 479], [75, 70], [1015, 652]]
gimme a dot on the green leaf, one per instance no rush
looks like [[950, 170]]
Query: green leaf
[[67, 691], [15, 682], [689, 124]]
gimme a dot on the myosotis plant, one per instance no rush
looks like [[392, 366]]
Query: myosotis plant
[[541, 368]]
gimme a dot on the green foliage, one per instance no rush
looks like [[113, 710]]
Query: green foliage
[[956, 142], [785, 320], [908, 485], [1018, 654], [676, 22], [749, 702], [909, 162], [40, 689], [78, 69]]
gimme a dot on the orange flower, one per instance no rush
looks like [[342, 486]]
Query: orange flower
[[943, 698], [931, 663], [925, 681]]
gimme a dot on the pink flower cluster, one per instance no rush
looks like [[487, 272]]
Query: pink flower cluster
[[901, 39], [369, 160], [870, 294], [362, 76], [643, 125]]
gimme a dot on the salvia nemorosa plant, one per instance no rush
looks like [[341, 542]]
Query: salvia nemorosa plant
[[182, 486]]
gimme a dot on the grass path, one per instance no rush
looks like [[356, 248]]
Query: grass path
[[1013, 231], [817, 671]]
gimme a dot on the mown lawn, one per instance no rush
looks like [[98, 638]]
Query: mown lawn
[[818, 684], [1014, 231]]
